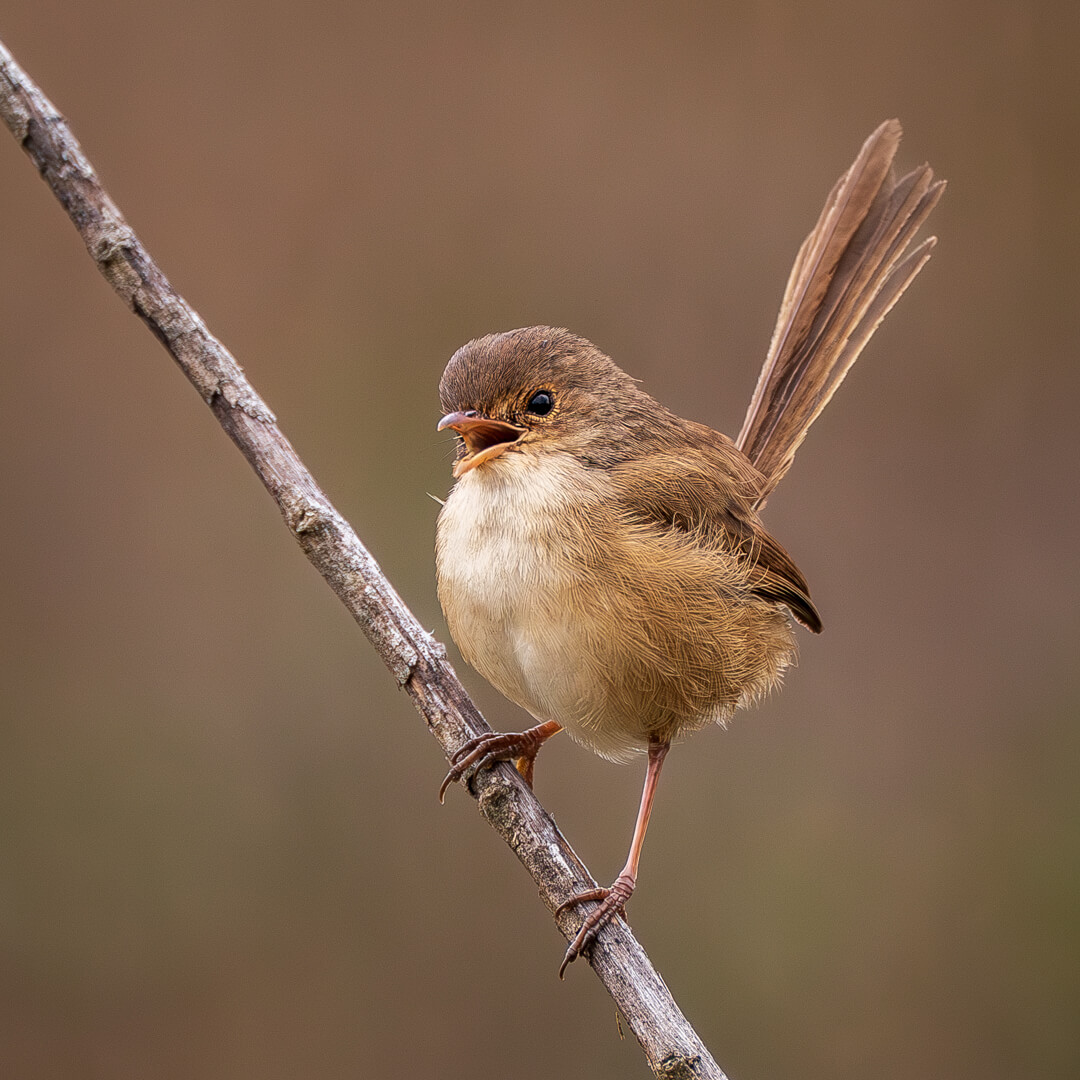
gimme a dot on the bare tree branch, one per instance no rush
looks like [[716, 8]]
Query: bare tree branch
[[415, 658]]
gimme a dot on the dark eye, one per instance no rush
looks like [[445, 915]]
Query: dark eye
[[541, 403]]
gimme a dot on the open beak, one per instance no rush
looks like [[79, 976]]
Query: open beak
[[484, 439]]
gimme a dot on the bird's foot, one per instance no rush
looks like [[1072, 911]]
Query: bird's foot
[[612, 902], [520, 747]]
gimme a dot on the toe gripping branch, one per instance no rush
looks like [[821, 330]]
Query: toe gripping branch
[[612, 903], [520, 747]]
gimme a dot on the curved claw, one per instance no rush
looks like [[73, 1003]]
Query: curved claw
[[475, 752], [612, 902], [470, 746], [521, 747]]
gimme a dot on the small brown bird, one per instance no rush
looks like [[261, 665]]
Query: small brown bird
[[601, 560]]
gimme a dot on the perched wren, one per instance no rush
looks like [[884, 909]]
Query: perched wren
[[601, 561]]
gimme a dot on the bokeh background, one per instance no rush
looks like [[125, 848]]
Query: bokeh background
[[222, 854]]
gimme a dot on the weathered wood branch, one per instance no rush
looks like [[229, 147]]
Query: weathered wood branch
[[415, 658]]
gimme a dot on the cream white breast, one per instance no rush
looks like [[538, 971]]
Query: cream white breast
[[510, 585]]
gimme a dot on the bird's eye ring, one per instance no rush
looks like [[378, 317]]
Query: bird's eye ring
[[541, 403]]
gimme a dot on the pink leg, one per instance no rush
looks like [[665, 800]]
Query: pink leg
[[613, 900]]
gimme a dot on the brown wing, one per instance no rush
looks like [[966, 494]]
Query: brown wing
[[710, 489]]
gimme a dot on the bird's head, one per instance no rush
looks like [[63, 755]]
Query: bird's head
[[536, 390]]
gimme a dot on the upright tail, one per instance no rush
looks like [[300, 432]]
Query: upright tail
[[849, 272]]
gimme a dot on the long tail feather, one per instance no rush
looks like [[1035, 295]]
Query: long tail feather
[[849, 272]]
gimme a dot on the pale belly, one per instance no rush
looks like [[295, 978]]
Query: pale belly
[[509, 595]]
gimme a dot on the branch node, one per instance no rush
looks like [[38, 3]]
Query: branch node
[[306, 516], [491, 799], [113, 239], [680, 1067]]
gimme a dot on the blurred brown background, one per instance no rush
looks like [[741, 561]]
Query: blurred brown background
[[222, 853]]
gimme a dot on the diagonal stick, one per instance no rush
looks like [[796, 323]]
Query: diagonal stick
[[418, 662]]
